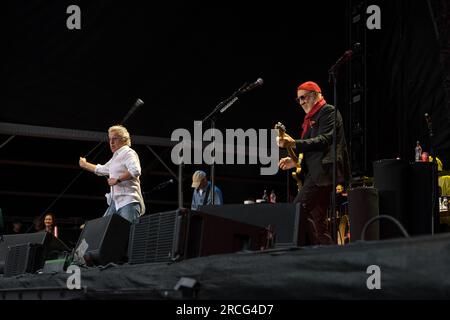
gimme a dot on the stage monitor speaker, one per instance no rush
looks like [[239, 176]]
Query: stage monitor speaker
[[392, 180], [282, 217], [51, 248], [107, 240], [23, 258], [155, 237], [423, 218], [173, 235], [363, 206], [210, 234]]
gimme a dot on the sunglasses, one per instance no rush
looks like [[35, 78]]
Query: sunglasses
[[303, 97]]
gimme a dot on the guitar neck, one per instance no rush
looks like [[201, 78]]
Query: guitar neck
[[292, 154], [281, 132]]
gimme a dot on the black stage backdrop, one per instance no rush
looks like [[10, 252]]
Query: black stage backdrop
[[406, 80], [182, 58]]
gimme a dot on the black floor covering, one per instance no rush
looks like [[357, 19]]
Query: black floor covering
[[414, 268]]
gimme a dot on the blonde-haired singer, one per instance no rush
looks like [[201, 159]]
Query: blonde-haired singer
[[123, 171]]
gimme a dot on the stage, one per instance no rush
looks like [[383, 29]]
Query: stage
[[413, 268], [167, 72]]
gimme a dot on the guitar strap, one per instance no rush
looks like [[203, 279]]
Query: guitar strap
[[205, 199]]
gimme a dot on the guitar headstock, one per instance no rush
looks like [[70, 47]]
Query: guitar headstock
[[281, 128]]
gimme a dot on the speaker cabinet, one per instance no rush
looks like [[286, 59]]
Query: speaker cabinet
[[107, 240], [156, 237], [23, 258], [210, 234], [363, 206], [424, 212], [284, 218], [22, 253], [406, 193], [392, 179], [183, 234]]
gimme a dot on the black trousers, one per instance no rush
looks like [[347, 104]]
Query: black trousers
[[314, 202]]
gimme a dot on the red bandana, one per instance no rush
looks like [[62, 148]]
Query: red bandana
[[307, 123]]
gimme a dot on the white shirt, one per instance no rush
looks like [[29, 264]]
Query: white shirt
[[128, 191]]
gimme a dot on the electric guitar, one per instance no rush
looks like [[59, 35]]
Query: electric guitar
[[297, 159]]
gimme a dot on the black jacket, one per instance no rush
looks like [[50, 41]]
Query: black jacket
[[317, 149]]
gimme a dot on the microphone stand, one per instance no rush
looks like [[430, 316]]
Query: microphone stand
[[180, 185], [332, 72], [212, 117], [434, 177], [333, 190]]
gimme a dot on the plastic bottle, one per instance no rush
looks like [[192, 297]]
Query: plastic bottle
[[273, 197], [418, 152], [265, 196]]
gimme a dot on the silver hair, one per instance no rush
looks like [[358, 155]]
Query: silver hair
[[122, 132]]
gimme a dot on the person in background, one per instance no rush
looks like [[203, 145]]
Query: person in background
[[50, 224], [17, 226], [443, 178], [38, 224], [340, 189], [202, 194], [341, 196]]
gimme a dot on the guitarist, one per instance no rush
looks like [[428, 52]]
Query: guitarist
[[316, 144]]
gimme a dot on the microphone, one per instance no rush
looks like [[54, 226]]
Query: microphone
[[428, 119], [160, 186], [224, 105], [132, 110], [343, 59], [253, 85], [164, 184], [429, 124], [136, 105], [356, 47]]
